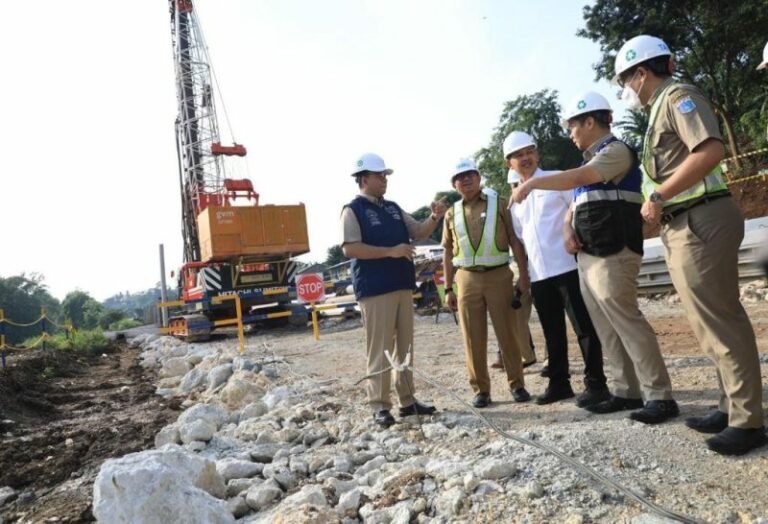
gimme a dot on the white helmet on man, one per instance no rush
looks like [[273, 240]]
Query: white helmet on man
[[764, 63], [371, 162], [516, 141], [585, 103], [462, 166], [637, 50]]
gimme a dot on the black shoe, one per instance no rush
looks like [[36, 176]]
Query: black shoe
[[417, 408], [529, 364], [383, 418], [656, 412], [521, 395], [614, 404], [737, 441], [714, 422], [482, 400], [590, 397], [555, 393]]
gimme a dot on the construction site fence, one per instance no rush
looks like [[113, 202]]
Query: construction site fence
[[47, 327]]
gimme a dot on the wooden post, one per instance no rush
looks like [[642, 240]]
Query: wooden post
[[240, 331], [44, 327], [315, 326]]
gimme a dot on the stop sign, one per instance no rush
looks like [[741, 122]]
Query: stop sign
[[310, 287]]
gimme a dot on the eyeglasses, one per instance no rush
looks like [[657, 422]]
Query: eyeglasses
[[626, 77]]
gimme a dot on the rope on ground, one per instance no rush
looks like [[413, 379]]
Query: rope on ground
[[745, 179], [552, 451]]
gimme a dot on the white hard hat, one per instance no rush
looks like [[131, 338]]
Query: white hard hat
[[371, 162], [585, 103], [764, 63], [516, 141], [513, 177], [637, 50], [464, 165]]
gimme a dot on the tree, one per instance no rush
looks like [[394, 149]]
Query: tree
[[335, 256], [449, 197], [537, 114], [633, 127], [81, 309], [716, 45], [21, 299]]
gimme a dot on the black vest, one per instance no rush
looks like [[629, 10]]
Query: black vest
[[607, 216]]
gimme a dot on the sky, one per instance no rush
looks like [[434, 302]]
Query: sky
[[89, 181]]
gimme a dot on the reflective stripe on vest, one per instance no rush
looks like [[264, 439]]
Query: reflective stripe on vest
[[712, 183], [487, 254], [611, 194]]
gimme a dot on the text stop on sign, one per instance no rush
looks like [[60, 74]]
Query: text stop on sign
[[310, 287]]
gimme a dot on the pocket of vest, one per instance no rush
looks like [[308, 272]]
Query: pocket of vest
[[599, 228]]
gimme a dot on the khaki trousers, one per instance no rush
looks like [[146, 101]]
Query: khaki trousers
[[388, 321], [702, 256], [480, 294], [521, 318], [609, 288]]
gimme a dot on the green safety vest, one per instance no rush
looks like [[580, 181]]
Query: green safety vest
[[712, 183], [486, 254]]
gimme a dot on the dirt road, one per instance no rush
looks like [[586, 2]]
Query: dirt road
[[62, 415]]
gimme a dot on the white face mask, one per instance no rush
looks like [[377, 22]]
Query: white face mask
[[630, 97]]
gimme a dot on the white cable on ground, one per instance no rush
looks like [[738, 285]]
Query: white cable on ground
[[552, 451]]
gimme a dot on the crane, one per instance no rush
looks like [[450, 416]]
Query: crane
[[232, 244]]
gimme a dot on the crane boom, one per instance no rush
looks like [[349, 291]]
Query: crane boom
[[197, 132]]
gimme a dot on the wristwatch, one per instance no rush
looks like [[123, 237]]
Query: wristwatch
[[449, 289], [655, 197]]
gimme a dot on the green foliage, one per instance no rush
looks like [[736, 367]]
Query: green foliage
[[21, 299], [633, 129], [335, 256], [86, 342], [123, 324], [717, 46], [138, 301], [81, 309], [449, 197], [537, 114]]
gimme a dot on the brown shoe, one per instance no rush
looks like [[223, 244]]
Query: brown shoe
[[498, 364]]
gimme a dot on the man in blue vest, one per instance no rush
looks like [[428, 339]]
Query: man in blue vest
[[376, 236], [701, 229], [605, 230], [477, 237]]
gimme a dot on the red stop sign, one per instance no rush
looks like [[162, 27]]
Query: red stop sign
[[310, 287]]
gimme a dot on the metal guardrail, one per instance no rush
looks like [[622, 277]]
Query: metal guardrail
[[654, 276]]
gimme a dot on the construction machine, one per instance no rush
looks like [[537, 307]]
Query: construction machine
[[233, 244]]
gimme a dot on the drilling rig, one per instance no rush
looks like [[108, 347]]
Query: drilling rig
[[233, 245]]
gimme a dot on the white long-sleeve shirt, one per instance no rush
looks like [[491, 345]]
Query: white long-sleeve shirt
[[538, 222]]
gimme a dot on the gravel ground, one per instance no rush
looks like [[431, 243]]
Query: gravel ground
[[290, 404]]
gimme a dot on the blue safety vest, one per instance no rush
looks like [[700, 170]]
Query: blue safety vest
[[381, 226], [607, 215]]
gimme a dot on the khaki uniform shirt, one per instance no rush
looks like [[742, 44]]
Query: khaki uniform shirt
[[613, 162], [684, 121], [350, 227], [474, 216]]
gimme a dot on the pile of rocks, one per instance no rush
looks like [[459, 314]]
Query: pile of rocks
[[257, 443]]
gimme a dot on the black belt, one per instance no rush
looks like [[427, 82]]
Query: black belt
[[483, 269], [668, 216]]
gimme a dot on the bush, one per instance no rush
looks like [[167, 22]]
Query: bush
[[124, 323], [85, 342]]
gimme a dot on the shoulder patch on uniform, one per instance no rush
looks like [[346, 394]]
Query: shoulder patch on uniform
[[685, 105]]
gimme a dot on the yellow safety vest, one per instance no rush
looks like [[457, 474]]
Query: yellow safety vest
[[486, 254], [712, 183]]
